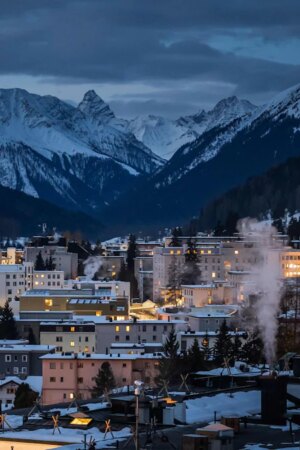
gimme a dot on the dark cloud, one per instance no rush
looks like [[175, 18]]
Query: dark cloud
[[157, 42]]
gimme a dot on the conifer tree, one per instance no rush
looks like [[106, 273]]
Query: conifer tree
[[223, 344], [176, 233], [170, 363], [252, 350], [39, 262], [8, 328], [31, 337], [25, 396], [105, 380], [191, 273], [195, 357]]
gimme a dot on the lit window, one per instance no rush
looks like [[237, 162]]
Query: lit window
[[36, 283], [113, 274], [178, 252], [117, 328], [72, 329], [171, 252], [71, 396], [98, 313], [213, 274], [236, 252], [72, 344], [48, 302], [127, 327], [209, 252], [42, 275]]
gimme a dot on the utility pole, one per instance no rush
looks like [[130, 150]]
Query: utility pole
[[139, 385]]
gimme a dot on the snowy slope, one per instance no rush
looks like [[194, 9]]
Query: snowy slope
[[75, 156], [164, 136]]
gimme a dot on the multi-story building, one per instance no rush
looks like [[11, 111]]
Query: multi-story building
[[199, 295], [11, 255], [46, 279], [69, 375], [82, 302], [143, 271], [69, 336], [22, 359], [15, 279], [168, 262], [62, 259], [133, 332]]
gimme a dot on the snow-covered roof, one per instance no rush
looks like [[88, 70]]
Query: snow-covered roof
[[35, 382], [100, 356], [26, 348]]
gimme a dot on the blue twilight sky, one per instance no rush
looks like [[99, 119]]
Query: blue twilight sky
[[169, 57]]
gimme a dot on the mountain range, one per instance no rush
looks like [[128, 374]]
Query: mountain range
[[144, 173]]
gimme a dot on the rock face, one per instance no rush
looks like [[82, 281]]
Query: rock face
[[221, 158], [75, 157]]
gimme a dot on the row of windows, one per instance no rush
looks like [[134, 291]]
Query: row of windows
[[14, 276], [60, 339], [8, 358], [142, 328], [291, 258], [16, 370], [127, 338], [53, 275]]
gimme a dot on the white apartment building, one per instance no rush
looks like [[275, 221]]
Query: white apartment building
[[163, 258], [199, 295], [69, 336], [15, 279], [48, 279]]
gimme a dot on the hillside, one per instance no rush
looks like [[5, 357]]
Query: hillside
[[273, 192], [222, 158], [22, 215]]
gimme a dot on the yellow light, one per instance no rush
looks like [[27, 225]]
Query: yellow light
[[72, 329], [236, 252], [127, 327], [117, 328], [72, 344], [81, 421]]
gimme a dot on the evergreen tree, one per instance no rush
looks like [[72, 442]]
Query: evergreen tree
[[236, 347], [223, 344], [170, 363], [105, 380], [31, 337], [8, 328], [176, 233], [191, 272], [25, 396], [131, 252], [39, 262], [175, 277], [195, 357]]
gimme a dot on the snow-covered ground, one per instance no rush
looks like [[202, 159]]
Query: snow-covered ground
[[68, 435], [237, 404]]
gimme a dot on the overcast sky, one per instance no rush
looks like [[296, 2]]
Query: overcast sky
[[169, 57]]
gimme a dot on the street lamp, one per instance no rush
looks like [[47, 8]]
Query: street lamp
[[138, 389]]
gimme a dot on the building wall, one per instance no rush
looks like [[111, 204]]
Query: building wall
[[46, 279], [63, 260], [23, 361], [14, 281], [69, 338], [163, 257], [65, 377], [7, 393], [133, 332]]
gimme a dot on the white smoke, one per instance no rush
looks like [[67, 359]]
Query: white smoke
[[91, 266], [265, 281]]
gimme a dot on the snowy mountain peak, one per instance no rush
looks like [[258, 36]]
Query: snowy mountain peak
[[286, 103], [95, 107]]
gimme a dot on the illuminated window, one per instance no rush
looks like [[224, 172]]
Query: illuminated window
[[209, 252], [117, 328], [113, 274], [171, 252], [36, 283], [72, 344], [98, 313], [202, 252], [72, 329], [127, 327], [178, 252], [236, 252], [213, 274], [42, 275], [71, 395], [48, 302]]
